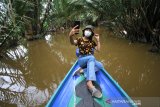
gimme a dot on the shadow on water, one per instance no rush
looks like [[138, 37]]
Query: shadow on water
[[30, 73]]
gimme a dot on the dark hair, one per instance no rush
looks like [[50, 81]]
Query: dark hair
[[90, 38]]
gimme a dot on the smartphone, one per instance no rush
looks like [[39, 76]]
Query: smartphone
[[76, 23]]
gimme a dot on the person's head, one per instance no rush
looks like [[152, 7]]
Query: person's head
[[88, 32]]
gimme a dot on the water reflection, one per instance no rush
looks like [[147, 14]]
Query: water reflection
[[17, 53], [49, 39], [14, 86]]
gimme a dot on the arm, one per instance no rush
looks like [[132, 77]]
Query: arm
[[72, 41], [71, 34], [98, 42]]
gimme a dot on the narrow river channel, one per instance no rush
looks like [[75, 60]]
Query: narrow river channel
[[38, 67]]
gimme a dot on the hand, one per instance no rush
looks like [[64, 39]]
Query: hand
[[74, 31], [97, 37]]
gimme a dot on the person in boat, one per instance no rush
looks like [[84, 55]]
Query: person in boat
[[98, 65], [86, 59]]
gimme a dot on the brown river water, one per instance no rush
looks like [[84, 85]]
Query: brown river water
[[38, 67]]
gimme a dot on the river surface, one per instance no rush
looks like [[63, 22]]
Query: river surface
[[32, 71]]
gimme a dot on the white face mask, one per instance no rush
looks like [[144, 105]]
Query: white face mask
[[87, 33]]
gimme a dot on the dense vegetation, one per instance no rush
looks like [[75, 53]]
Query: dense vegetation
[[136, 20]]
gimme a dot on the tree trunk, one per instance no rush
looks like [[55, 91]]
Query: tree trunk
[[45, 16]]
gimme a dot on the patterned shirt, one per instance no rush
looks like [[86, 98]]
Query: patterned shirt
[[85, 46]]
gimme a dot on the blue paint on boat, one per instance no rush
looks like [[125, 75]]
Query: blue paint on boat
[[113, 93]]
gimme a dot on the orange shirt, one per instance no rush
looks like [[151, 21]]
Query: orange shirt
[[85, 46]]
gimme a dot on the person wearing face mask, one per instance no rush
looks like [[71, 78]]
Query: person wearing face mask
[[86, 60]]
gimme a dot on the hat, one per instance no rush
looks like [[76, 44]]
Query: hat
[[89, 27]]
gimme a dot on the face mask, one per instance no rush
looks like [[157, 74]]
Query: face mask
[[87, 33]]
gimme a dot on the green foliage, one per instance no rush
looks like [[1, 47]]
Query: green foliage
[[65, 11], [12, 22], [139, 18]]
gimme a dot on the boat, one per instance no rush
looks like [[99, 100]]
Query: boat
[[73, 92]]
